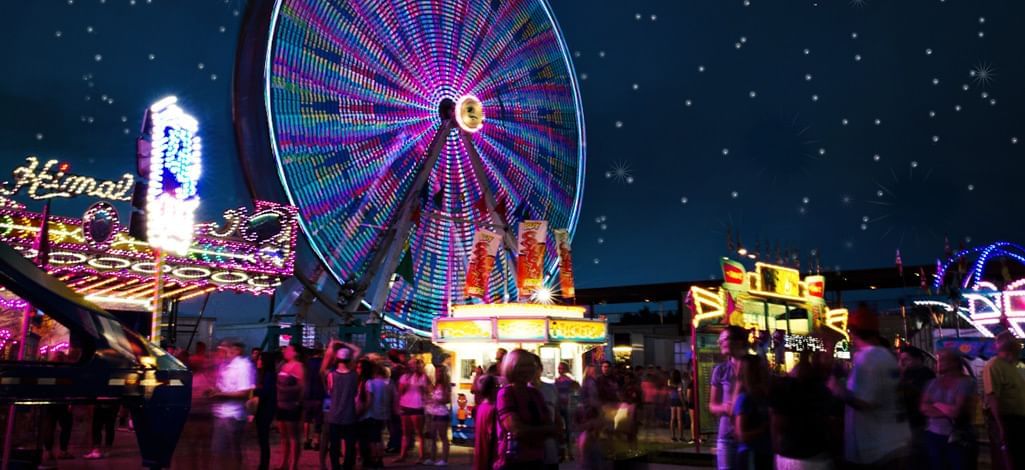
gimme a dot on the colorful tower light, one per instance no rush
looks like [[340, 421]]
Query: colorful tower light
[[174, 171]]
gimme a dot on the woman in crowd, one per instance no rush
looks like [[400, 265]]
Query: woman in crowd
[[523, 421], [411, 392], [291, 382], [373, 405], [948, 403], [438, 417], [676, 394], [485, 441], [266, 394], [568, 389], [751, 415]]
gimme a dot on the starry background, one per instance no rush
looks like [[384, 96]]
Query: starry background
[[840, 130]]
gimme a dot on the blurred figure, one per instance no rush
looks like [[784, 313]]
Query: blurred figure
[[523, 419], [266, 394], [198, 360], [551, 399], [751, 415], [914, 376], [411, 392], [438, 416], [799, 416], [1004, 390], [313, 400], [53, 416], [235, 378], [948, 403], [291, 382], [104, 419], [676, 406], [691, 407], [876, 432], [374, 404], [733, 344], [254, 354], [398, 361], [568, 388], [485, 445]]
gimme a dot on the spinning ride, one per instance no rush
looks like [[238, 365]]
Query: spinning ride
[[400, 127]]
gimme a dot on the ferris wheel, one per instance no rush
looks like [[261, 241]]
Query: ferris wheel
[[400, 127]]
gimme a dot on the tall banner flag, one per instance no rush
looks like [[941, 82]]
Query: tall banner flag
[[530, 257], [482, 261], [732, 272], [565, 264]]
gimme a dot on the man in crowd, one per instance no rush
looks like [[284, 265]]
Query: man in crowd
[[236, 379], [876, 432], [342, 383], [1004, 390], [914, 376]]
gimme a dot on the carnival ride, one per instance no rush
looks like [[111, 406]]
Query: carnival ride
[[401, 128], [985, 287]]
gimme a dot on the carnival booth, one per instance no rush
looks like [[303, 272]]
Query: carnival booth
[[557, 333], [785, 313]]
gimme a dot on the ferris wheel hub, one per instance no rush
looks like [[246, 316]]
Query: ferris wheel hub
[[469, 113]]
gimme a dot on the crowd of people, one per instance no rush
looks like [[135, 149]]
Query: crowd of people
[[884, 409]]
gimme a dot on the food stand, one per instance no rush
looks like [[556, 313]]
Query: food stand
[[771, 300]]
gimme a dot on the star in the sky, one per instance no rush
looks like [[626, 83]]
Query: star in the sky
[[620, 173], [982, 74]]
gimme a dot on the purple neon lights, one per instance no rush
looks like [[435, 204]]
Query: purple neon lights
[[353, 90]]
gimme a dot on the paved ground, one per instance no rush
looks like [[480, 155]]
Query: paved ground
[[193, 451]]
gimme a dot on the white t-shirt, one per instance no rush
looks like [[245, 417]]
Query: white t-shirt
[[239, 374], [415, 385], [870, 435]]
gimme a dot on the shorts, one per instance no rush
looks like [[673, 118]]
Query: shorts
[[313, 411], [411, 411], [440, 418], [676, 403], [289, 416]]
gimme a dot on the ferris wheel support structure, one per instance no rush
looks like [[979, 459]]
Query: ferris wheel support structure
[[386, 258]]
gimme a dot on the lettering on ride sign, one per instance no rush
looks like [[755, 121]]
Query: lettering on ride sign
[[51, 180]]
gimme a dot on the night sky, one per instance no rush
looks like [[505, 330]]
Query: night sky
[[851, 128]]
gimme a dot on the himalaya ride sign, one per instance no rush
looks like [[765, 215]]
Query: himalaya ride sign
[[482, 261], [530, 257], [53, 179], [565, 264]]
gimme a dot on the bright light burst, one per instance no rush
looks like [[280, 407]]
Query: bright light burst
[[620, 173], [544, 295], [982, 74]]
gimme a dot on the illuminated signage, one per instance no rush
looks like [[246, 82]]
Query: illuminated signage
[[577, 330], [174, 170], [778, 280], [52, 179], [521, 329], [816, 286], [464, 330]]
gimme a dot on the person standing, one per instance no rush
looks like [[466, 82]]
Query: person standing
[[914, 376], [104, 419], [291, 382], [551, 397], [412, 389], [235, 383], [568, 389], [398, 360], [800, 417], [342, 384], [313, 401], [751, 415], [266, 393], [1004, 392], [485, 443], [523, 422], [676, 408], [733, 343], [438, 417], [876, 431], [53, 416], [374, 403], [948, 403]]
